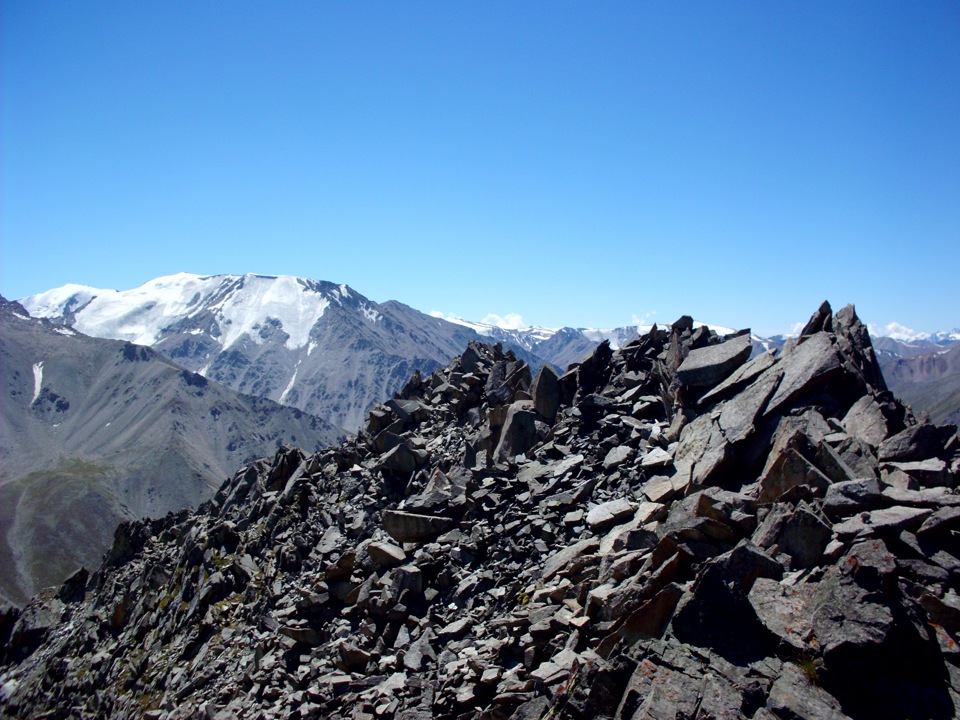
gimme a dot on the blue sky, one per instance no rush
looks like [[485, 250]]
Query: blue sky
[[581, 164]]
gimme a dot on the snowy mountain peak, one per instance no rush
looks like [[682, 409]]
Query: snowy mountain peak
[[238, 305], [903, 334], [896, 331]]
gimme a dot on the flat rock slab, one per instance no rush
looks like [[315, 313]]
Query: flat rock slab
[[929, 498], [386, 555], [865, 419], [617, 456], [793, 695], [707, 366], [893, 519], [741, 377], [557, 668], [567, 465], [739, 414], [455, 630], [410, 527], [610, 513], [805, 367], [852, 496], [661, 489], [656, 458], [556, 562], [942, 522], [917, 442], [932, 472]]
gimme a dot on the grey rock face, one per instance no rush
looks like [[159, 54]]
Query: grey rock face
[[545, 392], [794, 695], [807, 368], [519, 432], [866, 420]]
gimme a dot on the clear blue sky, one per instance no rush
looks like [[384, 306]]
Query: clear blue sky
[[577, 163]]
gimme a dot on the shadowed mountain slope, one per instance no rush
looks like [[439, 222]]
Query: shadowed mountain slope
[[929, 382], [96, 431]]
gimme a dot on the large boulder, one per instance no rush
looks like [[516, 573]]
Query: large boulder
[[519, 432], [407, 527], [717, 614], [545, 393], [707, 366]]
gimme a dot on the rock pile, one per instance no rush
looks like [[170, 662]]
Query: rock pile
[[671, 530]]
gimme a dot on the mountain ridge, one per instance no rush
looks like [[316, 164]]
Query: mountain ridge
[[325, 348], [671, 529]]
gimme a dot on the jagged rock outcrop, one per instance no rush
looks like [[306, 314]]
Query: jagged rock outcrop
[[749, 540]]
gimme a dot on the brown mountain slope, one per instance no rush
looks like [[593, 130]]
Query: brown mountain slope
[[929, 383]]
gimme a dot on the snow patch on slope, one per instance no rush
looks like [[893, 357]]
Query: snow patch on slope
[[37, 380], [369, 313], [282, 298], [286, 391]]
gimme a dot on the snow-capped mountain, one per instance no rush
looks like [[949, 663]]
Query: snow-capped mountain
[[227, 307], [905, 343], [901, 333], [315, 345]]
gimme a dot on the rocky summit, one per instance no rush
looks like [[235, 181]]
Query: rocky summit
[[669, 530]]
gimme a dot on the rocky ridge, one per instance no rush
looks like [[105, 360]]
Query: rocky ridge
[[671, 530]]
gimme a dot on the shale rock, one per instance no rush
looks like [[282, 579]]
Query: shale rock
[[667, 530]]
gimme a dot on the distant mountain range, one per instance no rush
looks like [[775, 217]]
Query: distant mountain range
[[96, 431], [315, 345], [328, 350]]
